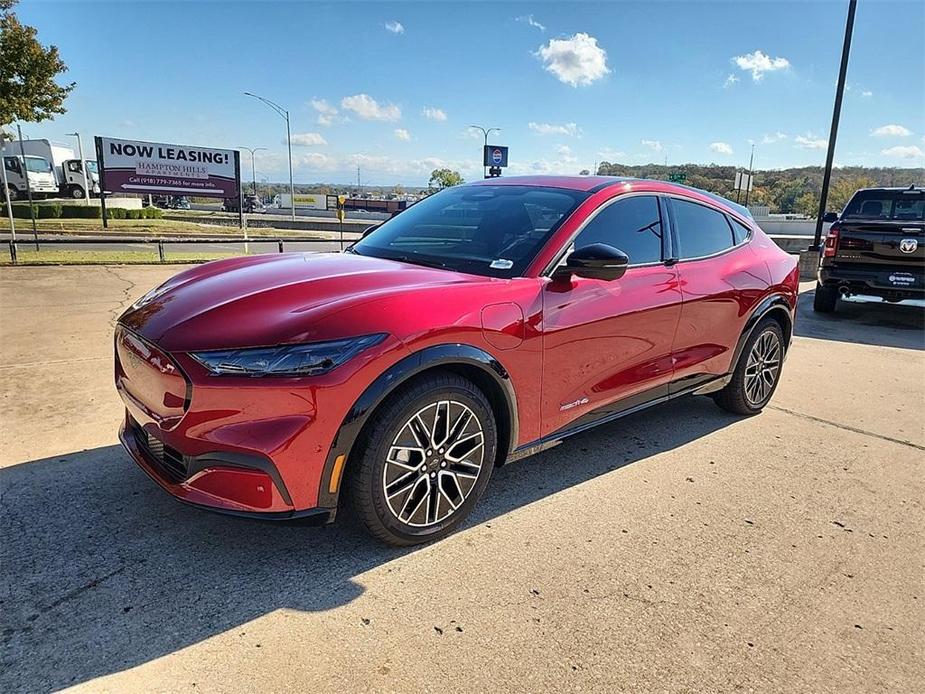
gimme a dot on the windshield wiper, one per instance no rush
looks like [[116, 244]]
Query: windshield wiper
[[418, 260]]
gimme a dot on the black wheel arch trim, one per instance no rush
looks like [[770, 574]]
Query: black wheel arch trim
[[774, 304], [449, 355]]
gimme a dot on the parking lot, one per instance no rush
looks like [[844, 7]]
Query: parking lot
[[678, 549]]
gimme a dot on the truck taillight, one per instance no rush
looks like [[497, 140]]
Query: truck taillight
[[831, 243]]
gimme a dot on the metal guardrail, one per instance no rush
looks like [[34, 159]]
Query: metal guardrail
[[161, 241]]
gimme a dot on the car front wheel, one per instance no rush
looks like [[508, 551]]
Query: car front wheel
[[425, 459], [757, 372]]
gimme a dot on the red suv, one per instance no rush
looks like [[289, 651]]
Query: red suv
[[483, 324]]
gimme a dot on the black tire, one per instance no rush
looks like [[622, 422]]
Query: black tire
[[739, 397], [825, 299], [77, 192], [14, 192], [391, 424]]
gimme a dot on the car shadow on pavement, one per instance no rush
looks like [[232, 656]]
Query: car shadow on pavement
[[104, 572], [863, 321]]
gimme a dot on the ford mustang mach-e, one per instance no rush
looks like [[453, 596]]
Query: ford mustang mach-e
[[481, 325]]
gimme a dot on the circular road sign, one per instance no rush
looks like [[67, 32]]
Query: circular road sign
[[496, 156]]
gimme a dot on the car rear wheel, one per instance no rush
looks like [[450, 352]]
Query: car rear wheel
[[425, 460], [757, 373], [825, 299]]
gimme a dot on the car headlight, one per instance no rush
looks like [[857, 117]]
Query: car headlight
[[312, 359]]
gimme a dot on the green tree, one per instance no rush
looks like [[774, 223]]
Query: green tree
[[807, 204], [444, 178], [28, 90]]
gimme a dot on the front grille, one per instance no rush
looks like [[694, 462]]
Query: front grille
[[169, 461]]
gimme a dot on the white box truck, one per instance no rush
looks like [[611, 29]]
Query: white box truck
[[41, 174], [67, 166], [66, 170]]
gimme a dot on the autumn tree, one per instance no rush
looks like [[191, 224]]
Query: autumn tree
[[28, 90]]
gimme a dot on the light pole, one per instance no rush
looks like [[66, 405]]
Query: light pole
[[282, 113], [83, 168], [253, 151], [485, 132], [836, 114]]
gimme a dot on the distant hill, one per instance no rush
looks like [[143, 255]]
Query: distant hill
[[783, 190]]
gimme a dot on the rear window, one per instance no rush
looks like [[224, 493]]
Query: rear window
[[702, 231], [886, 204]]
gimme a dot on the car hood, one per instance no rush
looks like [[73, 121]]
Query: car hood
[[274, 299]]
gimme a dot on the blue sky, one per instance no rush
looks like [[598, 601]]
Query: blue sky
[[394, 85]]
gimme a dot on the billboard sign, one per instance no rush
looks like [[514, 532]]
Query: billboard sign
[[744, 181], [495, 155], [133, 166]]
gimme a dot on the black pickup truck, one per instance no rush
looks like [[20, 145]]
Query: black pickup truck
[[876, 247]]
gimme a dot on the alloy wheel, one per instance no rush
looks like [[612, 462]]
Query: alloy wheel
[[433, 463], [763, 367]]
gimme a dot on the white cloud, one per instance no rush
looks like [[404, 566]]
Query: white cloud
[[611, 154], [368, 108], [810, 141], [721, 147], [402, 134], [654, 145], [326, 112], [867, 93], [434, 113], [308, 139], [891, 130], [770, 138], [552, 129], [565, 154], [530, 21], [316, 160], [576, 60], [758, 63], [731, 79], [904, 152], [395, 27]]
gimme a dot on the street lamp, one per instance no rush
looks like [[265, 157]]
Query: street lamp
[[253, 151], [83, 168], [282, 113], [485, 132]]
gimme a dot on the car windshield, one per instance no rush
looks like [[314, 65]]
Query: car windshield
[[37, 165], [493, 230], [91, 166], [887, 204]]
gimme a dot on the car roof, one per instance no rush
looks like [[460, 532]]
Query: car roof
[[591, 184]]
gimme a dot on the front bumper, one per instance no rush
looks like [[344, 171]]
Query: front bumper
[[228, 483], [241, 445]]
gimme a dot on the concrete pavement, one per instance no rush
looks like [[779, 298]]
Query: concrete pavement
[[681, 549]]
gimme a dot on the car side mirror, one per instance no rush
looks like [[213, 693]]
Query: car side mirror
[[598, 261], [830, 217]]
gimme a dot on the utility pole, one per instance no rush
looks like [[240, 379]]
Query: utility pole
[[284, 114], [836, 114], [485, 132], [9, 207], [25, 172], [748, 186]]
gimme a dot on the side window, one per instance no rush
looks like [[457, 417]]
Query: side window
[[739, 231], [11, 164], [701, 230], [633, 225], [74, 166]]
